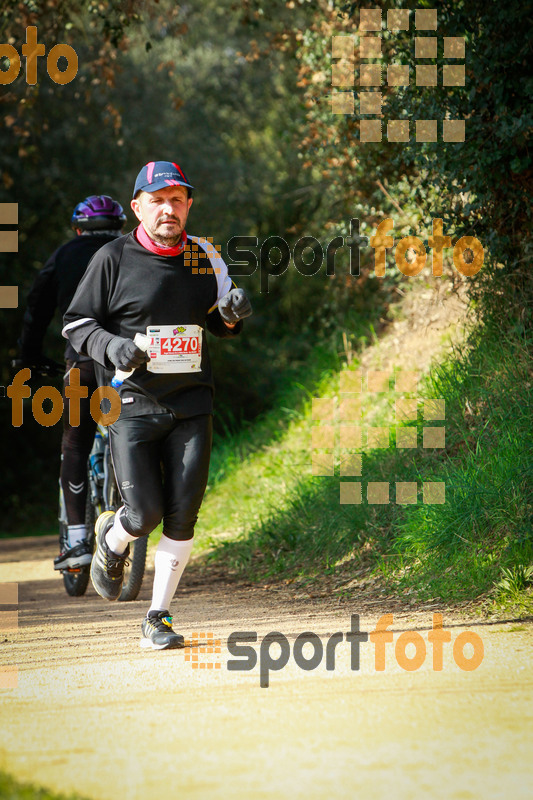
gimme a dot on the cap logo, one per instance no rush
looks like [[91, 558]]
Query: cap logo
[[164, 174]]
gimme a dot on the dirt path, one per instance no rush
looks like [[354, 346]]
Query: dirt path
[[94, 713]]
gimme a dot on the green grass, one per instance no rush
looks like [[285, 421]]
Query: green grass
[[10, 789], [265, 515], [514, 592], [459, 549]]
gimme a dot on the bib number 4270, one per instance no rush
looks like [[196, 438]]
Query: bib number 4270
[[179, 344]]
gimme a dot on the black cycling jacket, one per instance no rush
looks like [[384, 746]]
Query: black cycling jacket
[[54, 287]]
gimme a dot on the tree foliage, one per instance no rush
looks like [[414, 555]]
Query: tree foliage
[[240, 94], [482, 186]]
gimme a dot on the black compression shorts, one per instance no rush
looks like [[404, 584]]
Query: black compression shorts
[[161, 464]]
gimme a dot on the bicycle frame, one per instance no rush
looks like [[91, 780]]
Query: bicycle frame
[[101, 492], [102, 495]]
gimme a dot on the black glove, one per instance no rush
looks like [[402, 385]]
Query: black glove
[[234, 306], [125, 354]]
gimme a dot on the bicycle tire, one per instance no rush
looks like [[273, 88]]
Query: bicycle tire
[[76, 582], [134, 573], [133, 577]]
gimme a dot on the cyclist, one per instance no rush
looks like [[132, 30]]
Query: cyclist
[[161, 442], [97, 220]]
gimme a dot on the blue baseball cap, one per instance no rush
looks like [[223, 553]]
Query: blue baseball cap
[[160, 174]]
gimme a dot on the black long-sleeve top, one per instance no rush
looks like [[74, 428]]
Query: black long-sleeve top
[[127, 288]]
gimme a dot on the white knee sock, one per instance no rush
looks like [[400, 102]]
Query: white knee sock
[[171, 559], [116, 537], [75, 534]]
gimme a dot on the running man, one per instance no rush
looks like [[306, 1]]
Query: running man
[[97, 220], [161, 443]]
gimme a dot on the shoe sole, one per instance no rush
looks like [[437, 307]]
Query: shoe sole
[[75, 563], [101, 530], [147, 644]]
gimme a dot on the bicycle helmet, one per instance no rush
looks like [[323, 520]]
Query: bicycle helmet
[[98, 212]]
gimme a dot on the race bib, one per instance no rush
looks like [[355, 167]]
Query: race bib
[[174, 348]]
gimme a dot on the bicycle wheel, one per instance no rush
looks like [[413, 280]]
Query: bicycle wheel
[[134, 572], [76, 581]]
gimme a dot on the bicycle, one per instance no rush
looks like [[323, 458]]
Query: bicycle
[[102, 495]]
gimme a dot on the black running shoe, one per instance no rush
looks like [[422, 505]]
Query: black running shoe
[[76, 557], [157, 632], [107, 568]]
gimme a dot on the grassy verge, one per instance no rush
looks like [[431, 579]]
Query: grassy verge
[[265, 515], [10, 789], [460, 549]]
